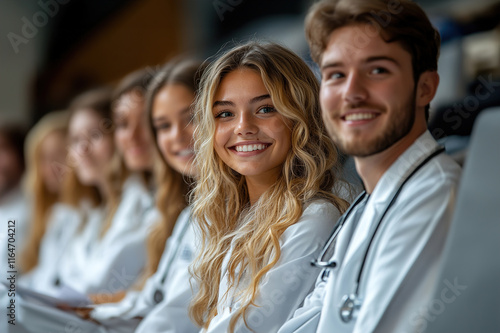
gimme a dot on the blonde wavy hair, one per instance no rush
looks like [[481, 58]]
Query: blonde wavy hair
[[220, 199], [43, 199]]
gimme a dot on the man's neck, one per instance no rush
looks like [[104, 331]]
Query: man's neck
[[372, 168]]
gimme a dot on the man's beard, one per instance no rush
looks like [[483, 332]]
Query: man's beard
[[396, 130]]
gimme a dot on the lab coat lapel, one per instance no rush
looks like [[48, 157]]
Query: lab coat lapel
[[375, 207], [385, 189]]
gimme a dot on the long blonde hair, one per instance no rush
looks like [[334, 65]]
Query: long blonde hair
[[220, 198], [173, 187], [42, 198]]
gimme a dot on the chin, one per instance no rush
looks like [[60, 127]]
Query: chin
[[139, 167], [87, 180]]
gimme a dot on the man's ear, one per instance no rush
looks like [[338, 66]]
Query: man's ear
[[426, 88]]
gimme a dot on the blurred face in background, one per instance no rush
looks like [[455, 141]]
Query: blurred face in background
[[172, 120], [51, 159], [91, 147], [10, 166], [132, 137]]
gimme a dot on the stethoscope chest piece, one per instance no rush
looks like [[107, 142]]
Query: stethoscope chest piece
[[349, 304], [158, 296]]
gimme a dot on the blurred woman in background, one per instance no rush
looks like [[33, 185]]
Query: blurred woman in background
[[162, 305], [46, 149]]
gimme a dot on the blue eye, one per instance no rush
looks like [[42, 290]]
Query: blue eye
[[332, 76], [223, 114], [267, 109], [336, 75]]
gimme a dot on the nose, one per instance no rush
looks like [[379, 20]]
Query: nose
[[355, 89], [134, 132], [177, 133], [246, 124]]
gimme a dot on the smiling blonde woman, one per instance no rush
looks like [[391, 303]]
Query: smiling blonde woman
[[263, 198]]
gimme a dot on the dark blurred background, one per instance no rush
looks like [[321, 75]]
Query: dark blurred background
[[51, 50]]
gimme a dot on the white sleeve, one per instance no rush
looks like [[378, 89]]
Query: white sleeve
[[306, 318], [103, 312], [119, 258], [171, 315], [284, 288]]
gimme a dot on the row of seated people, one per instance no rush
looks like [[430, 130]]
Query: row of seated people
[[194, 197]]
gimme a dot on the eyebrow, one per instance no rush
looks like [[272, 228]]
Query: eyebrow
[[367, 60], [253, 100]]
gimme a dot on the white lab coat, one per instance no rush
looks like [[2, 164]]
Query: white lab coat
[[112, 263], [13, 206], [283, 289], [62, 229], [170, 315], [403, 261]]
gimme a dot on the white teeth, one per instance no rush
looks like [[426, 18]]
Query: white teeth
[[250, 147], [185, 152], [359, 116]]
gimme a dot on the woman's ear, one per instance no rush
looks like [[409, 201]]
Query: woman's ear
[[426, 88]]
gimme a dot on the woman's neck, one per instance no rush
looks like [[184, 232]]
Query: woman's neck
[[257, 185], [105, 191]]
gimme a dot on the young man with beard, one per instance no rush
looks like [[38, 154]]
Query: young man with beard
[[378, 62]]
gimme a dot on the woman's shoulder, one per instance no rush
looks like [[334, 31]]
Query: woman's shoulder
[[318, 217], [135, 195], [312, 229], [320, 208]]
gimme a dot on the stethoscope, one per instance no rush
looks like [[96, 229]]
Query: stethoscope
[[352, 301], [158, 294]]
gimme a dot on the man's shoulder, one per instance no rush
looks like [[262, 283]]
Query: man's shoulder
[[442, 169]]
